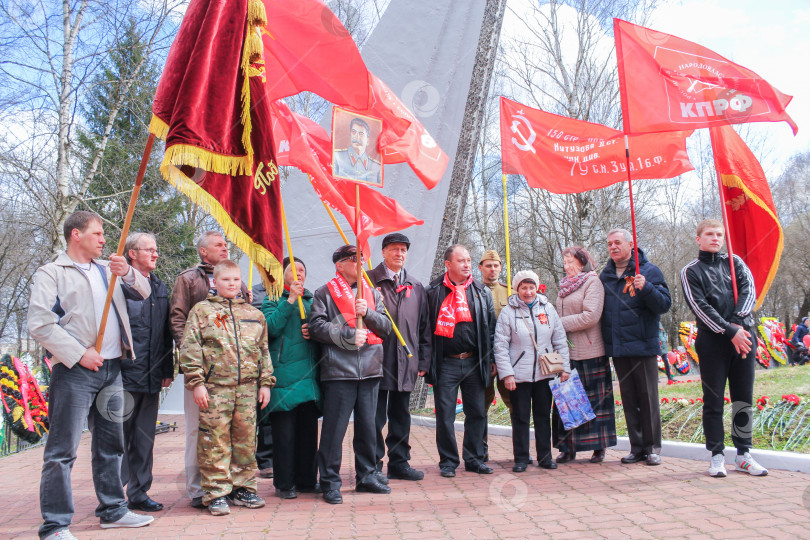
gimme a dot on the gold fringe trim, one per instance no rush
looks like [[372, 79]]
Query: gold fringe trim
[[185, 154], [254, 46], [247, 125], [258, 253], [732, 180], [257, 15], [158, 127]]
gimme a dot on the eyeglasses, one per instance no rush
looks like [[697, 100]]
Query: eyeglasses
[[151, 251], [352, 258]]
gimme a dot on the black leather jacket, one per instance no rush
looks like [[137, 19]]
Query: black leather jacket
[[340, 359]]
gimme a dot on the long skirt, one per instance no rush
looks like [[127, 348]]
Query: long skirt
[[600, 432]]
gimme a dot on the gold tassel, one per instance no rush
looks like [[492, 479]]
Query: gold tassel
[[257, 15], [185, 154], [254, 46], [158, 127]]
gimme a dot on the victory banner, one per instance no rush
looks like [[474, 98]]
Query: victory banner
[[669, 84], [564, 155]]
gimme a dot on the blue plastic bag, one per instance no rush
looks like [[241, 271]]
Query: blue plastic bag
[[571, 401]]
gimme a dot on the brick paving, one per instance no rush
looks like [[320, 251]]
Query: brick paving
[[579, 500]]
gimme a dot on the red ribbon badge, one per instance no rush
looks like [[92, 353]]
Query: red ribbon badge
[[543, 318], [406, 288]]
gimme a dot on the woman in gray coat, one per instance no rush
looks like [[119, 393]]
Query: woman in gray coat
[[527, 327]]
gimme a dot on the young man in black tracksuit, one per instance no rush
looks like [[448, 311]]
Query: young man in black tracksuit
[[723, 344]]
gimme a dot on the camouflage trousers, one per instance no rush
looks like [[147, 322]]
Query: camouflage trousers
[[226, 443]]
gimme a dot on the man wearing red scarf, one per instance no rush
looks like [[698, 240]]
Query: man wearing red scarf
[[351, 367], [462, 318]]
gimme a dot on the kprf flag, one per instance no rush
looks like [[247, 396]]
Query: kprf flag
[[210, 109], [755, 233], [564, 155], [306, 145], [307, 48], [668, 84]]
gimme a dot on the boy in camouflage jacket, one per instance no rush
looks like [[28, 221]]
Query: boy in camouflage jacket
[[226, 362]]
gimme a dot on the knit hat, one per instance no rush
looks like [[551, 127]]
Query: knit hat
[[525, 275], [490, 255]]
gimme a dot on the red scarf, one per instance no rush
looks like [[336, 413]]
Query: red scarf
[[454, 308], [343, 297]]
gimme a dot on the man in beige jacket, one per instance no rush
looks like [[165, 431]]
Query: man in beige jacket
[[64, 315]]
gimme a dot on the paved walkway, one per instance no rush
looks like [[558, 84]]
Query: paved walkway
[[580, 500]]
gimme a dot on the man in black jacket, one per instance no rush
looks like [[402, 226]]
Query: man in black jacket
[[351, 366], [462, 318], [144, 378], [723, 344], [634, 303], [406, 301]]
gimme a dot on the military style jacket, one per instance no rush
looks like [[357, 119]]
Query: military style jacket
[[225, 343]]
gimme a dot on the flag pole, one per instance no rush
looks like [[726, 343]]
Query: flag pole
[[632, 205], [133, 198], [506, 228], [301, 310], [358, 252], [250, 274], [725, 219], [368, 280]]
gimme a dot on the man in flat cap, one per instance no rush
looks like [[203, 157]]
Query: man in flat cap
[[490, 267], [406, 301], [351, 367]]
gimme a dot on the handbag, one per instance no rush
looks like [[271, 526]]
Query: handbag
[[551, 363]]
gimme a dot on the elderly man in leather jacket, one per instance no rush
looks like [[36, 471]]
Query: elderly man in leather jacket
[[351, 367]]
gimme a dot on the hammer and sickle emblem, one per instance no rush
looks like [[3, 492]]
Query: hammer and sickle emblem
[[526, 143]]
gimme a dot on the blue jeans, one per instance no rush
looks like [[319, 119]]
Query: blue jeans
[[75, 394]]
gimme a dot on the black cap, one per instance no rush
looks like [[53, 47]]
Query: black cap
[[343, 252], [396, 238]]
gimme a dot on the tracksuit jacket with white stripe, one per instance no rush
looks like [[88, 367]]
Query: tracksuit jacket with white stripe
[[706, 283]]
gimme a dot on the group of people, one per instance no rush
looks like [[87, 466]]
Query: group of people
[[283, 363]]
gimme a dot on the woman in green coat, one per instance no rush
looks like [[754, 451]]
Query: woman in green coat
[[294, 406]]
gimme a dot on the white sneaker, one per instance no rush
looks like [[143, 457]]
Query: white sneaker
[[745, 463], [61, 534], [129, 520], [717, 466]]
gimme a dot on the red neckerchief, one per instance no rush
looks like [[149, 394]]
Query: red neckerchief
[[343, 297], [454, 308]]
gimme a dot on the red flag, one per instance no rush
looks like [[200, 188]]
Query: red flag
[[219, 148], [306, 145], [670, 84], [564, 155], [404, 138], [307, 48], [755, 233]]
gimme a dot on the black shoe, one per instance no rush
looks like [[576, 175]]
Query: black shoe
[[381, 478], [598, 456], [448, 472], [245, 497], [653, 459], [310, 489], [196, 502], [148, 505], [634, 458], [565, 457], [405, 473], [333, 496], [479, 468], [519, 467], [286, 493], [371, 485], [547, 464]]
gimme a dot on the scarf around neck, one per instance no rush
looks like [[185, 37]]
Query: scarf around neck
[[569, 284], [343, 297], [454, 308]]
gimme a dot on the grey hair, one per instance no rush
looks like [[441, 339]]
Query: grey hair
[[205, 239], [133, 240], [627, 235]]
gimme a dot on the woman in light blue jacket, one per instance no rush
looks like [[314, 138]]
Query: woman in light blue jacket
[[527, 327]]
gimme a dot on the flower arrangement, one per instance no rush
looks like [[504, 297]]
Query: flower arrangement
[[24, 407]]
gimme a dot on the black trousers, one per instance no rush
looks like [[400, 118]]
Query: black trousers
[[638, 382], [264, 446], [531, 398], [139, 443], [464, 374], [295, 434], [720, 362], [340, 400], [392, 407]]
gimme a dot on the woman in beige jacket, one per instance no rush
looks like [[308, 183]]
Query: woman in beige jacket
[[579, 304]]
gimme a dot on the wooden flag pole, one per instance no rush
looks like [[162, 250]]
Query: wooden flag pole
[[290, 253], [359, 253], [506, 228], [133, 198], [632, 206], [725, 221]]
